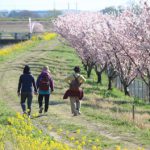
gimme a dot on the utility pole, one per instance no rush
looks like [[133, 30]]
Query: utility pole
[[30, 25], [30, 28], [76, 5], [68, 5], [54, 8]]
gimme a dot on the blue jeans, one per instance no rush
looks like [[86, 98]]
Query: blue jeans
[[26, 96]]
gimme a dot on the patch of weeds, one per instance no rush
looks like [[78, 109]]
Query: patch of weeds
[[107, 93], [71, 127], [5, 112], [105, 118]]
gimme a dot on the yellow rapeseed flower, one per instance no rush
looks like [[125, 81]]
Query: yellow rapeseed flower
[[78, 131], [94, 147], [118, 147], [72, 138], [83, 138], [77, 142]]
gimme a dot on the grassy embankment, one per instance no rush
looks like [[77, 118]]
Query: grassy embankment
[[101, 106], [17, 131], [106, 120]]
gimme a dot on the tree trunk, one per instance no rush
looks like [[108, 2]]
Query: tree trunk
[[109, 83], [99, 70], [84, 66], [149, 92], [99, 77], [126, 92], [89, 69]]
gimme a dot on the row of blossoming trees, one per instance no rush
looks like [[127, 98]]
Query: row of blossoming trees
[[119, 44]]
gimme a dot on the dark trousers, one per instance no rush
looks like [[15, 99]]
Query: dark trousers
[[40, 100], [26, 96]]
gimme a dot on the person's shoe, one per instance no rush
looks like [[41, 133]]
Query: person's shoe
[[75, 114], [24, 113], [45, 113], [79, 112], [41, 109]]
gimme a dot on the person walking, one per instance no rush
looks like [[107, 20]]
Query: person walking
[[45, 87], [25, 89], [75, 92]]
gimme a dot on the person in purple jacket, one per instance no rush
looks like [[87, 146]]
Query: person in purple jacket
[[25, 89], [45, 87]]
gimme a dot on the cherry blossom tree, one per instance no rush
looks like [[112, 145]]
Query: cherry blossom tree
[[119, 42], [122, 47], [79, 30], [138, 26]]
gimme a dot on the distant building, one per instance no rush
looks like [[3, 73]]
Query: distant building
[[4, 13]]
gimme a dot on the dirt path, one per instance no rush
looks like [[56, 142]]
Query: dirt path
[[58, 112]]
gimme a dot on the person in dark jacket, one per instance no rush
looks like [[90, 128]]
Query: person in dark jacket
[[45, 87], [25, 89]]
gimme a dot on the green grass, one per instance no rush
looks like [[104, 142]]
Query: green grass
[[66, 60], [100, 106], [5, 112]]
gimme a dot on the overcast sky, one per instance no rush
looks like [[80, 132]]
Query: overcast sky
[[60, 4]]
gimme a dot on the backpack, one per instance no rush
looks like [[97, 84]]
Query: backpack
[[44, 83], [75, 84]]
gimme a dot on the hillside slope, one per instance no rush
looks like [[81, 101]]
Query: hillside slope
[[95, 122]]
